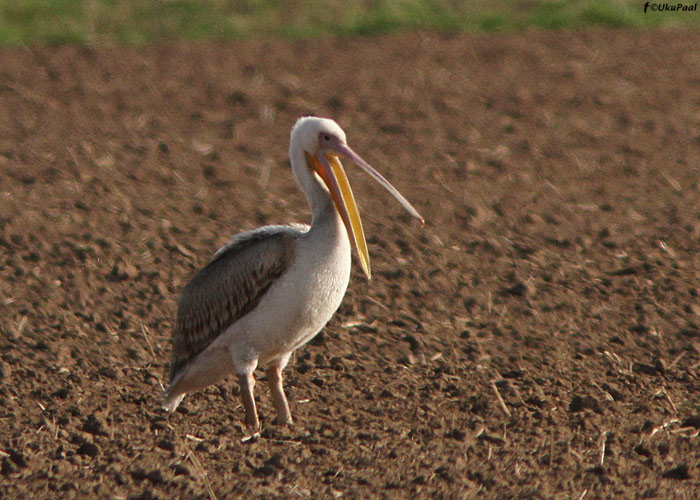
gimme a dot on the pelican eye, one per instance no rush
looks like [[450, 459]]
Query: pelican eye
[[326, 137]]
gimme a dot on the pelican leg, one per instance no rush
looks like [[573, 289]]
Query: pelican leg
[[247, 383], [274, 378]]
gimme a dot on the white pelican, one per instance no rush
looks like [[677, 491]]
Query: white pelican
[[272, 289]]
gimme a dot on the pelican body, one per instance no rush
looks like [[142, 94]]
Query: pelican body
[[271, 290]]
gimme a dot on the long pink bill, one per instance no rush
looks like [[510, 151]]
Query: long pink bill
[[345, 150]]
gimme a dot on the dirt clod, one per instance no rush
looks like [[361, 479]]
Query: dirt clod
[[679, 472]]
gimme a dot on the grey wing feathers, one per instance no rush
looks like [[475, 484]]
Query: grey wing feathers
[[229, 287]]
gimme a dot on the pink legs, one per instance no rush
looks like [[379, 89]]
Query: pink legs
[[274, 378], [251, 414]]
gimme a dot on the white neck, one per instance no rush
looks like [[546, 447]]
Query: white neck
[[322, 207]]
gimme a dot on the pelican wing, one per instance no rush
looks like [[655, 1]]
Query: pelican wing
[[228, 288]]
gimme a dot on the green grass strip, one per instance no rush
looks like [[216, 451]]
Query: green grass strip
[[137, 22]]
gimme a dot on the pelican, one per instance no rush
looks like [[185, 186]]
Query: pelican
[[272, 289]]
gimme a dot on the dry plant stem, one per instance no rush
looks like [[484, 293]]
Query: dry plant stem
[[500, 399], [203, 473]]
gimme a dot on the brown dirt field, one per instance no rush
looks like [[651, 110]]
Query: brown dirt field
[[539, 338]]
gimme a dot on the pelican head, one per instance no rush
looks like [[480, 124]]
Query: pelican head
[[324, 143]]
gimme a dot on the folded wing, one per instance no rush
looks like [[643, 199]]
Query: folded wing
[[228, 288]]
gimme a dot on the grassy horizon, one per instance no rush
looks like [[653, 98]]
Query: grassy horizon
[[134, 22]]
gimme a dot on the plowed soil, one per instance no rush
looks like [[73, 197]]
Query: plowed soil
[[539, 338]]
